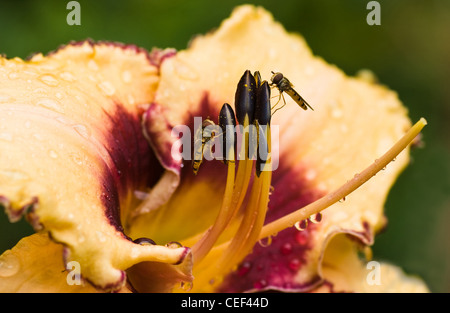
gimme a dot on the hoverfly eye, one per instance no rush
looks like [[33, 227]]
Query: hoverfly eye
[[276, 78]]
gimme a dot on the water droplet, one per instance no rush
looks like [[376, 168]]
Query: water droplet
[[301, 238], [187, 286], [67, 76], [51, 104], [6, 98], [260, 284], [81, 239], [107, 88], [126, 76], [294, 264], [301, 225], [9, 264], [174, 245], [38, 137], [286, 248], [265, 243], [316, 218], [336, 113], [145, 241], [244, 268], [52, 154], [342, 200], [49, 80], [6, 137], [310, 174], [131, 99], [101, 237], [82, 130], [186, 71], [93, 65], [77, 159], [13, 75]]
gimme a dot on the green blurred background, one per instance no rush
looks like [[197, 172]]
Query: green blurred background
[[409, 52]]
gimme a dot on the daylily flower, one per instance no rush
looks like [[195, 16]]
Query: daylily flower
[[88, 157]]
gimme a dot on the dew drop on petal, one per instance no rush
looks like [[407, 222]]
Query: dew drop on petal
[[101, 237], [9, 264], [260, 284], [294, 264], [126, 76], [107, 88], [6, 137], [49, 80], [174, 245], [186, 71], [67, 76], [286, 248], [52, 154], [301, 225], [342, 200], [244, 268], [145, 241], [13, 75], [51, 104], [77, 159], [93, 65], [301, 238], [82, 130], [187, 286]]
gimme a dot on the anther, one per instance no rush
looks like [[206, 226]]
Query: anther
[[227, 122], [262, 121], [258, 79], [245, 99]]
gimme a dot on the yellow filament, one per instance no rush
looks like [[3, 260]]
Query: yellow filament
[[234, 196], [253, 220], [204, 245], [343, 191]]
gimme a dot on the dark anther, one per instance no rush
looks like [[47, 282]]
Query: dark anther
[[262, 109], [245, 98], [258, 79], [227, 122], [144, 241], [262, 122]]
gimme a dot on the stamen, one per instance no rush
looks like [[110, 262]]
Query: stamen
[[343, 191], [227, 122], [255, 211]]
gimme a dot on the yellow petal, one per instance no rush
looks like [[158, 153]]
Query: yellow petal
[[343, 271], [73, 152], [36, 264]]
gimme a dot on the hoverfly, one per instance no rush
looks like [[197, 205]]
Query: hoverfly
[[198, 153], [284, 85]]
